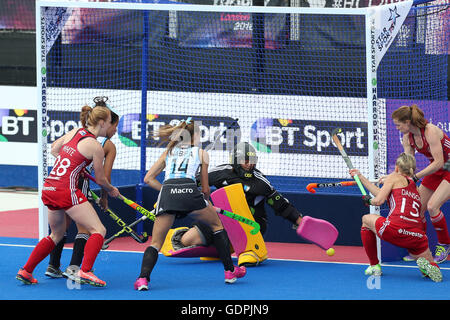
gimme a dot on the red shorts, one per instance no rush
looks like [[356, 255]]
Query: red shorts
[[434, 180], [62, 199], [414, 240]]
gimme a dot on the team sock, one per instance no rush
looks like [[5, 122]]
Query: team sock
[[55, 255], [148, 262], [91, 250], [42, 250], [78, 249], [440, 225], [369, 241], [222, 245]]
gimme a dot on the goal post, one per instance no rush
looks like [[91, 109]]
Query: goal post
[[289, 74]]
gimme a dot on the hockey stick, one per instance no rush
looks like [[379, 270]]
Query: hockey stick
[[121, 223], [344, 155], [316, 185], [132, 204], [239, 218], [312, 186], [125, 229], [151, 215], [229, 214]]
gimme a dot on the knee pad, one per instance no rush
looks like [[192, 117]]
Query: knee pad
[[172, 246], [205, 233]]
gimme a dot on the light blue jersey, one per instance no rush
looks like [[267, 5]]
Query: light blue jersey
[[182, 163]]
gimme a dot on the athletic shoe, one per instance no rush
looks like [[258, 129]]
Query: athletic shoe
[[408, 258], [238, 272], [373, 270], [53, 272], [141, 284], [26, 277], [90, 278], [430, 270], [441, 253], [71, 272]]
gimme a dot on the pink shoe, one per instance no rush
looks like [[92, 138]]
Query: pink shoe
[[141, 284], [238, 272]]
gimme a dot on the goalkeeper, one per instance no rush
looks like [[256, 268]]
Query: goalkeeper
[[258, 191]]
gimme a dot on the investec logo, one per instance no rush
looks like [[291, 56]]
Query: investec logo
[[410, 233], [308, 136], [181, 190]]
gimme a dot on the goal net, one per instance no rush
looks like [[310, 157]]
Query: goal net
[[289, 75]]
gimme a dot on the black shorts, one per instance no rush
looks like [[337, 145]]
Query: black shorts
[[180, 197]]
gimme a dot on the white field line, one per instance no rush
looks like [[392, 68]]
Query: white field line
[[294, 260]]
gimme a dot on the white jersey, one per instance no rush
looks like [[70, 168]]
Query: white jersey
[[182, 163]]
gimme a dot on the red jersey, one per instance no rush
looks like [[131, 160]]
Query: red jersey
[[60, 189], [433, 180], [404, 205], [425, 150]]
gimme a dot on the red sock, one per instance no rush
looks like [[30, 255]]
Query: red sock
[[369, 240], [440, 225], [91, 250], [42, 250]]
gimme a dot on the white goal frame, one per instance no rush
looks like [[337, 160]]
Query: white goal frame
[[370, 15]]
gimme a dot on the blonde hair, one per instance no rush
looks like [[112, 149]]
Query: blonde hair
[[172, 135], [91, 116], [406, 163], [412, 113]]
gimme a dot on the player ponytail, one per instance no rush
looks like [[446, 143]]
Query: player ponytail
[[412, 113], [91, 116], [406, 163], [418, 117], [181, 133]]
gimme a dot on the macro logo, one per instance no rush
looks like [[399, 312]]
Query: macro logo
[[215, 132], [18, 125], [308, 136]]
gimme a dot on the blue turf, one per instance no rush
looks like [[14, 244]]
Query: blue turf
[[192, 279]]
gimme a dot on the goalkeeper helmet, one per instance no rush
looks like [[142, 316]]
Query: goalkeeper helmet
[[244, 154]]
